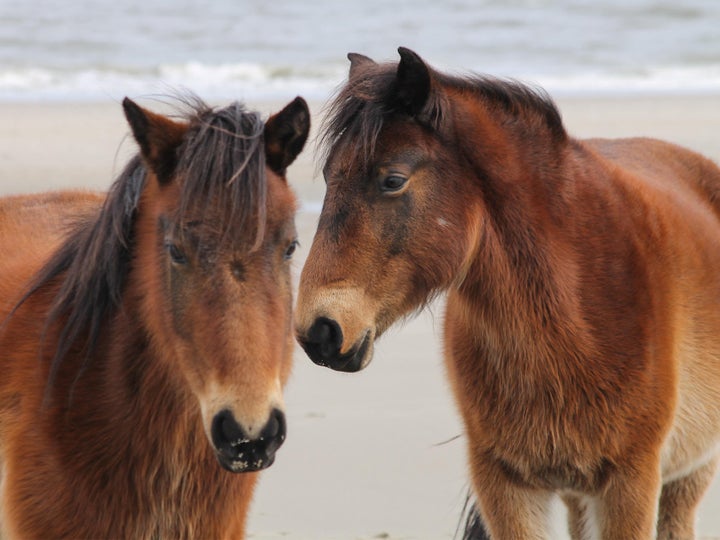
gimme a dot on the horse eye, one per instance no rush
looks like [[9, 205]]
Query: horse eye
[[392, 183], [291, 249], [176, 255]]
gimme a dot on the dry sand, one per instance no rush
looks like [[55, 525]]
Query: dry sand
[[378, 454]]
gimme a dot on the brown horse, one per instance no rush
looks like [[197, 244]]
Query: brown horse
[[148, 334], [582, 332]]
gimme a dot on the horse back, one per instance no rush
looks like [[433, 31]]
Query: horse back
[[664, 165], [31, 228]]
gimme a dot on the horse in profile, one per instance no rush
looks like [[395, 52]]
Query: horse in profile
[[147, 334], [582, 324]]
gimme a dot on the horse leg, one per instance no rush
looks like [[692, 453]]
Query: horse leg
[[516, 513], [628, 506], [508, 509], [580, 519], [679, 500]]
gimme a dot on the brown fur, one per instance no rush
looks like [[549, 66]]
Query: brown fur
[[582, 331], [115, 358]]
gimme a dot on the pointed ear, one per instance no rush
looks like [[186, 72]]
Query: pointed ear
[[357, 62], [158, 138], [412, 84], [285, 135]]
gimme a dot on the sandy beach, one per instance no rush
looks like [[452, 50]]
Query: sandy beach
[[375, 455]]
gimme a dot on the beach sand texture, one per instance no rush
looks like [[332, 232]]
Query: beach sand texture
[[379, 454]]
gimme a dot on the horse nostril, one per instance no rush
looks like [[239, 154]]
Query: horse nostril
[[275, 430], [324, 340], [237, 452], [225, 431]]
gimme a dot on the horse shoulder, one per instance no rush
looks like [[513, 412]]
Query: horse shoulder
[[44, 215], [670, 210], [683, 188]]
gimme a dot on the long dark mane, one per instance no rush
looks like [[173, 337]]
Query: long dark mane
[[221, 162], [362, 106]]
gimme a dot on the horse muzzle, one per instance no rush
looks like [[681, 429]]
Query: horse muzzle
[[323, 343], [237, 452]]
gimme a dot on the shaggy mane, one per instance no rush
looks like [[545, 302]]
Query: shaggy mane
[[362, 106]]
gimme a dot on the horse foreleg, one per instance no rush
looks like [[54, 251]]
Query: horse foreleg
[[679, 501], [510, 510], [628, 505], [581, 522]]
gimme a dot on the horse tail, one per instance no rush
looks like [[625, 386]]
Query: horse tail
[[474, 528]]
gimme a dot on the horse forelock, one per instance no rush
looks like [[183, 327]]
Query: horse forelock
[[358, 112], [221, 163], [222, 172]]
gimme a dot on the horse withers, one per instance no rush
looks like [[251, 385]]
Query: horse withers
[[582, 329], [147, 334]]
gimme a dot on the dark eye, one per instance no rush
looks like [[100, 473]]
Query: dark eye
[[392, 183], [176, 255], [291, 249]]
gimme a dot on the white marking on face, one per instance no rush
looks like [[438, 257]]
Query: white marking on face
[[442, 222]]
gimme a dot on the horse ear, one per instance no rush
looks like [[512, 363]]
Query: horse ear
[[412, 83], [157, 136], [285, 135], [357, 62]]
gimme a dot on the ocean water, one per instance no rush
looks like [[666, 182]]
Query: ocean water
[[276, 49]]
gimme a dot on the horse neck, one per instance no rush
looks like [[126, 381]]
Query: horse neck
[[518, 285], [505, 145]]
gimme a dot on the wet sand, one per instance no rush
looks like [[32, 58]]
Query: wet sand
[[373, 455]]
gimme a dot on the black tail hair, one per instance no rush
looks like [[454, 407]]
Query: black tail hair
[[474, 528]]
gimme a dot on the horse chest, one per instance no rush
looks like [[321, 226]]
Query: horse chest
[[180, 504], [535, 425], [190, 510], [539, 449]]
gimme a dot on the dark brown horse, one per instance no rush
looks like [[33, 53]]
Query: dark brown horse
[[582, 332], [147, 335]]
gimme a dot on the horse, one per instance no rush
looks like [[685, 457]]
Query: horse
[[581, 333], [148, 334]]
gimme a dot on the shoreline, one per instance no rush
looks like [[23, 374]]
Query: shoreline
[[371, 455], [41, 143]]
